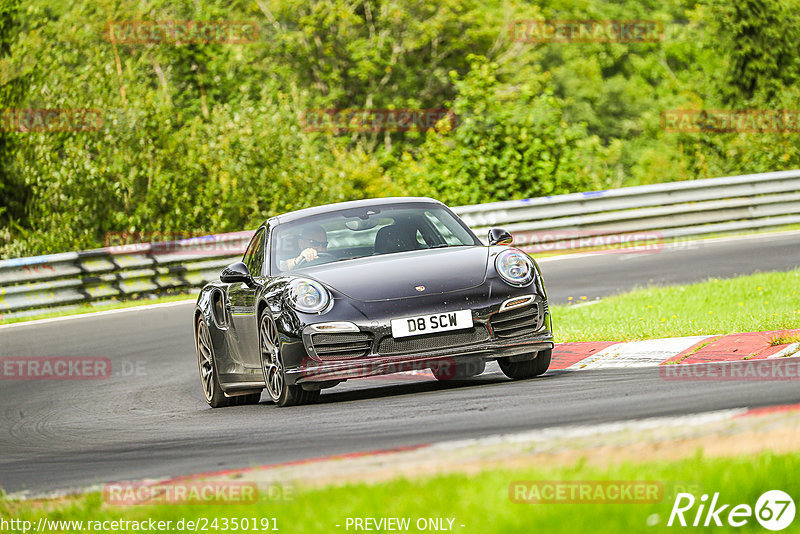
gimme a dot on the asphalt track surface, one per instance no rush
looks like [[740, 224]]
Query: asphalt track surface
[[149, 418]]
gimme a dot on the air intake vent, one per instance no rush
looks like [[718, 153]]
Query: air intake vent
[[390, 345], [341, 346], [519, 322]]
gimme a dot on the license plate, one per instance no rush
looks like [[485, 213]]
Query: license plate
[[430, 324]]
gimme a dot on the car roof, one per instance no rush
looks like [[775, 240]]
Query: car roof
[[329, 208]]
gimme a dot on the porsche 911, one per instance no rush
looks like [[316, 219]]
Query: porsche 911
[[364, 288]]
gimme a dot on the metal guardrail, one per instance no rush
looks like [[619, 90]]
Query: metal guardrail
[[629, 215], [660, 211], [108, 274]]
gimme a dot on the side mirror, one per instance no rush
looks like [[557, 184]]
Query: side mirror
[[498, 236], [236, 272]]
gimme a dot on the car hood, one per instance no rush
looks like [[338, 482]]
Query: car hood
[[397, 276]]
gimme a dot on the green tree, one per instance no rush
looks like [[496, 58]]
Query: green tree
[[758, 39], [13, 193], [505, 145]]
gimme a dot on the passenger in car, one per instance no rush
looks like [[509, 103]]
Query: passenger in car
[[395, 238]]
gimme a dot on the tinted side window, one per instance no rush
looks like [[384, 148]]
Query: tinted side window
[[254, 257]]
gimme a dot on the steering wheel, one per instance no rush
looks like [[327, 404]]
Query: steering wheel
[[319, 255]]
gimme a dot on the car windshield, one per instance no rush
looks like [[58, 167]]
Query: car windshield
[[368, 231]]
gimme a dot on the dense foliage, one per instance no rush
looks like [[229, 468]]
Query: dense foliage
[[210, 137]]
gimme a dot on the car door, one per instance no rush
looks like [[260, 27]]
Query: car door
[[243, 304]]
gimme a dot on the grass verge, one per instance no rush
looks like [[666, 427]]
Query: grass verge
[[759, 302], [480, 502]]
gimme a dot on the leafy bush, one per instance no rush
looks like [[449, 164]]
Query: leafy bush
[[209, 137]]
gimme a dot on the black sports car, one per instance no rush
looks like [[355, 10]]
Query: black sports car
[[363, 288]]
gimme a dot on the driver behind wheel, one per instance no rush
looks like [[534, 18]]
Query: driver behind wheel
[[311, 241]]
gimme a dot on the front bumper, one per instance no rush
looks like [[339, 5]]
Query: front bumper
[[362, 368], [493, 336]]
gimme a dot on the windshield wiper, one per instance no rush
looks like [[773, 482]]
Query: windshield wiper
[[445, 245], [351, 258]]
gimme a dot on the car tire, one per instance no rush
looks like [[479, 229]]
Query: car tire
[[527, 368], [207, 366], [281, 393], [458, 370]]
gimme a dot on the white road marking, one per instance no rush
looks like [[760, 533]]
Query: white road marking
[[786, 351], [89, 315], [647, 353]]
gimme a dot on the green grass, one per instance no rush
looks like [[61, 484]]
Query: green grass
[[759, 302], [480, 501], [784, 340], [86, 308]]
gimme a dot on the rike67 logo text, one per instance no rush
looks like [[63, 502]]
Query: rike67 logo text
[[774, 510]]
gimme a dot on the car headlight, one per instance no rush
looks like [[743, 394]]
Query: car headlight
[[308, 296], [514, 267]]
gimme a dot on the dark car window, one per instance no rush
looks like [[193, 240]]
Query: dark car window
[[254, 256], [380, 230]]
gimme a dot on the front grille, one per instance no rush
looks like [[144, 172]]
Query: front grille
[[390, 345], [341, 346], [517, 322]]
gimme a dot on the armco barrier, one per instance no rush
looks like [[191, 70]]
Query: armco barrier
[[111, 273], [677, 209]]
